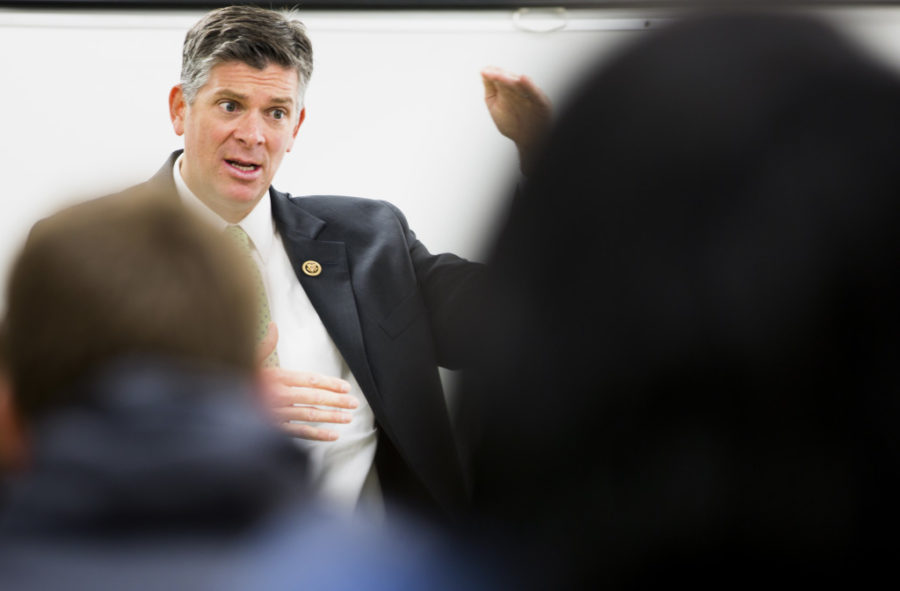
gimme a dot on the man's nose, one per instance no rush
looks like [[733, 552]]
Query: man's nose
[[249, 129]]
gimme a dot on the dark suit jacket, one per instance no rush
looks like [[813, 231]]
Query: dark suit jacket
[[396, 312]]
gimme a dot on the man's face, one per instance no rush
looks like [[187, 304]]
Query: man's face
[[236, 132]]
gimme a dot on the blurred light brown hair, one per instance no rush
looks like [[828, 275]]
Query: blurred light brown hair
[[116, 277]]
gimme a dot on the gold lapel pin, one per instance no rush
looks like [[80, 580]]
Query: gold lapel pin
[[311, 268]]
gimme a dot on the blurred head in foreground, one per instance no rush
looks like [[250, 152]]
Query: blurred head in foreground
[[129, 345], [115, 278], [692, 364]]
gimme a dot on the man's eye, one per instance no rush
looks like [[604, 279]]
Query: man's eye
[[229, 106], [279, 114]]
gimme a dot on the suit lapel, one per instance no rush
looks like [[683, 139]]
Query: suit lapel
[[331, 292]]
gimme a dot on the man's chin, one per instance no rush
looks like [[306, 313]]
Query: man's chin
[[244, 196]]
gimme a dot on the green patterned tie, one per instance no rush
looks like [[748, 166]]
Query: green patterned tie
[[239, 236]]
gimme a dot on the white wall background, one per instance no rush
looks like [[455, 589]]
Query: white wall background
[[394, 109]]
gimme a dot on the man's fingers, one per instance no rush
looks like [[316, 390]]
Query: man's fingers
[[290, 396], [309, 432], [498, 75], [533, 92], [267, 345], [305, 379], [312, 415], [497, 81], [282, 393], [503, 81]]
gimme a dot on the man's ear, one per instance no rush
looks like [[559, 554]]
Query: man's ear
[[12, 437], [297, 127], [177, 107]]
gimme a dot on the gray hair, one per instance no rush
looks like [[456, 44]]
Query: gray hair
[[255, 36]]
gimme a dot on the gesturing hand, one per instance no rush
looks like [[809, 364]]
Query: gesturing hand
[[520, 110], [295, 396]]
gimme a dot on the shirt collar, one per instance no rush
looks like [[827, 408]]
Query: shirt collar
[[258, 224]]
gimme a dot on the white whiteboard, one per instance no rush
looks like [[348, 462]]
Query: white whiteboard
[[394, 108]]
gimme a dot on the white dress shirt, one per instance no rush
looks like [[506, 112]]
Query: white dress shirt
[[342, 471]]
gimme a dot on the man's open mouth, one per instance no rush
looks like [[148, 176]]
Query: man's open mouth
[[245, 166]]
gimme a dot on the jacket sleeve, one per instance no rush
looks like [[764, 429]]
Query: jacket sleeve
[[450, 286]]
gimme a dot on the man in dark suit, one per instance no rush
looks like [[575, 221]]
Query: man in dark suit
[[362, 314]]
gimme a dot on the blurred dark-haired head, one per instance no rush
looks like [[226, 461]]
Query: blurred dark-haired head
[[690, 362], [118, 278]]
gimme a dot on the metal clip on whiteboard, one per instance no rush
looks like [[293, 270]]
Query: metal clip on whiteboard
[[540, 20]]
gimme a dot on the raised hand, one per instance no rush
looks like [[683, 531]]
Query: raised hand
[[520, 110]]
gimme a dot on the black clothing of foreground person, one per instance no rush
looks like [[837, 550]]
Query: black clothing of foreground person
[[690, 375]]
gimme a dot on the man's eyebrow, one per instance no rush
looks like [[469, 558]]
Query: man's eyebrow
[[281, 100], [225, 93]]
